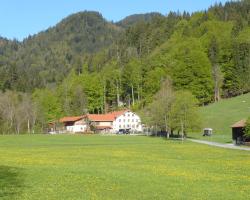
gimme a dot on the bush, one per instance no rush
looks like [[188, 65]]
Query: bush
[[247, 128]]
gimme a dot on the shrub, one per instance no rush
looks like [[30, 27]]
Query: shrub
[[247, 128]]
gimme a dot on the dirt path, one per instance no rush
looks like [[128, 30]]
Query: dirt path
[[216, 144]]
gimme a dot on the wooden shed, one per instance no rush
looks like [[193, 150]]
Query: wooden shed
[[238, 131]]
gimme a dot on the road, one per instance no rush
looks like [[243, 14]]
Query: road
[[216, 144]]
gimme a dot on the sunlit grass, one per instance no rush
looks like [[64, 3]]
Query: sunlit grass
[[120, 167], [220, 116]]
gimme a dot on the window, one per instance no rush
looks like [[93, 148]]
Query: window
[[128, 120], [137, 126], [123, 126], [133, 126], [133, 115], [137, 120], [120, 120], [128, 125], [128, 115], [123, 120], [120, 126], [132, 120]]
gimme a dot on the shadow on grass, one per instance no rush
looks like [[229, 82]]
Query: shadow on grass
[[11, 182]]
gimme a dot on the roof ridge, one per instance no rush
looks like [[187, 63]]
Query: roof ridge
[[239, 124]]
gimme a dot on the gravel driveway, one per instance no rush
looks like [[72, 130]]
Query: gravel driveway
[[216, 144]]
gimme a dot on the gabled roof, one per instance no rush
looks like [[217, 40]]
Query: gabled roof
[[71, 119], [100, 117], [109, 117], [240, 124]]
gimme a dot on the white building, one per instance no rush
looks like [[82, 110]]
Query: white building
[[127, 120], [112, 122], [116, 121], [75, 124]]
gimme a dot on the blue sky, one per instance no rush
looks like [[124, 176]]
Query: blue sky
[[20, 18]]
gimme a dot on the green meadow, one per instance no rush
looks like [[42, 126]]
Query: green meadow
[[119, 167], [220, 116]]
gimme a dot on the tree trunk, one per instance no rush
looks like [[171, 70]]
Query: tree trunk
[[182, 130], [129, 102], [138, 93], [140, 49], [217, 82], [117, 53], [28, 125], [117, 94], [133, 97], [166, 126], [17, 129], [104, 98]]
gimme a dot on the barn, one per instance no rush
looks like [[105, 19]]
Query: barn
[[238, 131], [74, 124]]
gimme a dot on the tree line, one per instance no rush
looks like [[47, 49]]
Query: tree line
[[86, 64], [173, 112]]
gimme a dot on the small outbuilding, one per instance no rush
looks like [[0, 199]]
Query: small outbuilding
[[238, 132], [207, 132]]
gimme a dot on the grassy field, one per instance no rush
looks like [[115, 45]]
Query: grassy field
[[119, 167], [220, 116]]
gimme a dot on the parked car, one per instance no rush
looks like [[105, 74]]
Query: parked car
[[123, 131]]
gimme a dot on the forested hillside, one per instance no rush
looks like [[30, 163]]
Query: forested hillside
[[133, 19], [87, 64]]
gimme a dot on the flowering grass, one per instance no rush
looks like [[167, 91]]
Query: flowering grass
[[119, 167]]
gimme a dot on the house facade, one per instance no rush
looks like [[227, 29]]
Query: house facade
[[127, 120], [75, 124], [101, 122], [115, 121], [112, 122]]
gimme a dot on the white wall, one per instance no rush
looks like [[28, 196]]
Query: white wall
[[103, 123], [128, 120], [76, 128]]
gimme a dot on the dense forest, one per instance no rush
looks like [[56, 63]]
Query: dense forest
[[87, 64]]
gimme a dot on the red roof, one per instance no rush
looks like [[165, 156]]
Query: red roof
[[109, 117], [71, 119], [240, 124], [100, 117]]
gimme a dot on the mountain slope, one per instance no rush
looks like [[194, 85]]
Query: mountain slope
[[195, 50], [47, 58], [84, 32], [133, 19]]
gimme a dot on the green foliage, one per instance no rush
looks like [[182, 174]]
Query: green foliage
[[49, 108], [192, 70], [247, 128], [158, 113], [124, 64], [81, 94], [152, 83], [133, 19], [17, 113], [185, 116], [173, 111]]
